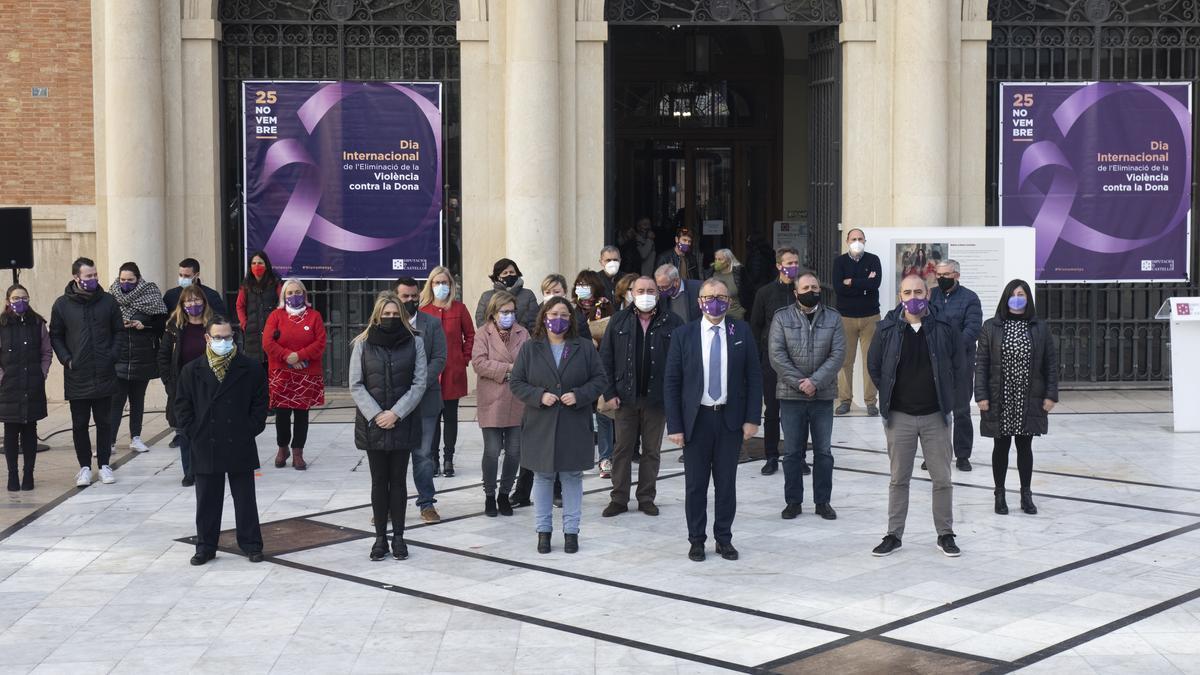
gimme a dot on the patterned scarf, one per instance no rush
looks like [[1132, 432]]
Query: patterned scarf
[[144, 298], [219, 364]]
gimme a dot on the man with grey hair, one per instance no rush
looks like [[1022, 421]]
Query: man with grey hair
[[959, 306], [682, 295], [610, 269]]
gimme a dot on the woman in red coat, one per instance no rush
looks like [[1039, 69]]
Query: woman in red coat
[[294, 340], [438, 300]]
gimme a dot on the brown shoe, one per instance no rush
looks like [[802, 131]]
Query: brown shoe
[[298, 462], [281, 458], [430, 515]]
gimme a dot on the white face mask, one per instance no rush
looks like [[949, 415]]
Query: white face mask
[[184, 282], [646, 302], [857, 247], [546, 297], [583, 292], [441, 291], [612, 267], [628, 297]]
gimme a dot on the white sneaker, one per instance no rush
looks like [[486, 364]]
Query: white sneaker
[[106, 475], [84, 477], [137, 445]]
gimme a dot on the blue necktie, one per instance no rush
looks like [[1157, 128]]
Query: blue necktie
[[714, 365]]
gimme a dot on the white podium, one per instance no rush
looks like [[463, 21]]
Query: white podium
[[1184, 315]]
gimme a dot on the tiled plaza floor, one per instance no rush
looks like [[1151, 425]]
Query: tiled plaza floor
[[1106, 578]]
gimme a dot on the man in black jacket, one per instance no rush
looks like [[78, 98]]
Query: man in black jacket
[[771, 298], [916, 359], [634, 354], [959, 306], [221, 400], [189, 274], [682, 256], [84, 323], [856, 276]]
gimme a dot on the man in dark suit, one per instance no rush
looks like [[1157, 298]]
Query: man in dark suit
[[713, 395], [221, 400], [189, 274], [680, 295], [425, 464]]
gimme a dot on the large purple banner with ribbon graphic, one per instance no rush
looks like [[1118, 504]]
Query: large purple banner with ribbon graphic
[[343, 179], [1103, 172]]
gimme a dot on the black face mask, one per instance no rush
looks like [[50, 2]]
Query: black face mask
[[411, 307], [808, 299], [946, 284], [509, 281], [390, 324]]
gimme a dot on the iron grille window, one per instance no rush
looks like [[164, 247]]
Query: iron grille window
[[644, 12], [337, 40], [1105, 332]]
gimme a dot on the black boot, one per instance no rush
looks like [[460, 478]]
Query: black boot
[[437, 464], [448, 466], [1001, 504], [14, 483], [489, 507], [379, 550], [520, 494], [543, 542], [504, 506], [27, 478], [570, 543], [1027, 502]]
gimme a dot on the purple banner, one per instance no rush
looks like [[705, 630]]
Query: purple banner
[[343, 179], [1103, 172]]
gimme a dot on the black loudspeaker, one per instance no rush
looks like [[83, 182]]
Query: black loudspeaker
[[16, 238]]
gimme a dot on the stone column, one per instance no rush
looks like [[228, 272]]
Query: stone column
[[972, 140], [531, 134], [591, 32], [860, 138], [134, 139], [920, 117], [203, 215]]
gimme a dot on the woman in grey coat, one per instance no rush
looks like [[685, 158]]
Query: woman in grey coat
[[558, 377]]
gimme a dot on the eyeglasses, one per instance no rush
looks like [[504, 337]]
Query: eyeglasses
[[706, 298]]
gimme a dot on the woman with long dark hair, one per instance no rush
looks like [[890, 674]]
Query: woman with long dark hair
[[145, 317], [506, 276], [257, 297], [387, 381], [25, 356], [558, 377], [183, 341], [1016, 386]]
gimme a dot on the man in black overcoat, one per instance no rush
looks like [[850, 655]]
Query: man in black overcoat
[[221, 400]]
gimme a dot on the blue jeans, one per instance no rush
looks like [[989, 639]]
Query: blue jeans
[[543, 500], [799, 419], [604, 436], [423, 463]]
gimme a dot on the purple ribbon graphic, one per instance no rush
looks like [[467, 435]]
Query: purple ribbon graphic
[[299, 219], [1052, 218]]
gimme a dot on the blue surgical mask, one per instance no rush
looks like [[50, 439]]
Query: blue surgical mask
[[221, 347], [441, 291], [507, 319], [184, 282], [1017, 303]]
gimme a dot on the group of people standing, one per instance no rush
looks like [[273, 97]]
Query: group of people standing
[[592, 373]]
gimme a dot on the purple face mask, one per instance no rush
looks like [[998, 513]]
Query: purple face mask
[[916, 306], [89, 285], [558, 325], [194, 310], [791, 272], [19, 306], [127, 286], [715, 307], [684, 248], [294, 301]]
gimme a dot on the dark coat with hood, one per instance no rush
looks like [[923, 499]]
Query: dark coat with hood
[[989, 369], [83, 330], [222, 417], [25, 356], [946, 356], [558, 437]]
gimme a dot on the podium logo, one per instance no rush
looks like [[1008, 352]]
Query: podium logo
[[1158, 265], [1183, 309]]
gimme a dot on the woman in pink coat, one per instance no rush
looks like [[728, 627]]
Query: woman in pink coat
[[497, 344]]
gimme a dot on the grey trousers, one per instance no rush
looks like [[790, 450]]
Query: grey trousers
[[903, 431], [495, 440]]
